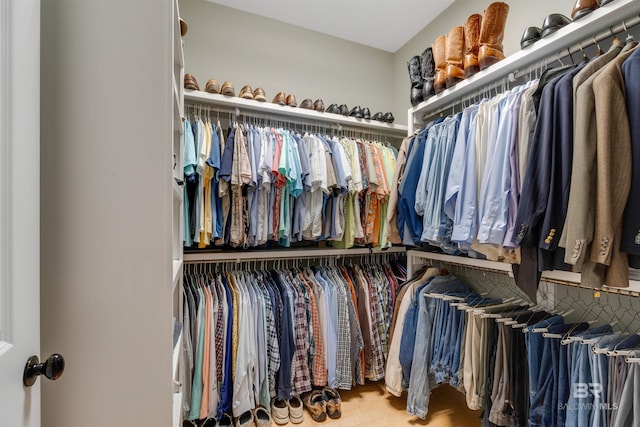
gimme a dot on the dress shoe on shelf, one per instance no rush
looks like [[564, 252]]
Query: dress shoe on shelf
[[415, 77], [190, 82], [472, 44], [439, 56], [183, 28], [279, 99], [227, 89], [356, 112], [318, 105], [553, 23], [378, 117], [344, 110], [494, 20], [428, 69], [583, 8], [333, 109], [291, 100], [307, 104], [212, 86], [366, 114], [530, 36], [605, 2], [246, 92], [259, 95], [388, 117], [454, 72]]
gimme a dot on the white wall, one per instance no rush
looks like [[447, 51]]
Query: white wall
[[105, 211], [227, 44], [522, 14]]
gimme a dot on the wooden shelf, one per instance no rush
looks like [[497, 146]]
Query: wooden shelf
[[584, 29], [232, 102]]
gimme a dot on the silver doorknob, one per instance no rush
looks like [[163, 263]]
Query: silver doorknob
[[52, 368]]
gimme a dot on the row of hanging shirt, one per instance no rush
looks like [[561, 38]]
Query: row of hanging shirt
[[251, 336], [545, 166], [521, 365], [275, 185]]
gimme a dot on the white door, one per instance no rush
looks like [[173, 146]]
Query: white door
[[19, 209]]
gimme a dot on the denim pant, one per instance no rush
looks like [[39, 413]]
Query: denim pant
[[629, 409], [535, 345], [420, 383]]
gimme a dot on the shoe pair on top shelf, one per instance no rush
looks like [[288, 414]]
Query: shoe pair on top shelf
[[360, 113]]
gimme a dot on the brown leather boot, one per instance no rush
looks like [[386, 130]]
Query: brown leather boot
[[471, 44], [492, 34], [455, 47], [439, 56]]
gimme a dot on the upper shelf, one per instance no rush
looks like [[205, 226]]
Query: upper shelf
[[584, 29], [270, 108]]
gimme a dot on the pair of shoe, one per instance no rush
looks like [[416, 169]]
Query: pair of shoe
[[360, 113], [334, 109], [308, 104], [551, 24], [384, 118], [259, 417], [459, 55], [213, 86], [225, 421], [258, 94], [323, 403], [284, 411], [281, 99]]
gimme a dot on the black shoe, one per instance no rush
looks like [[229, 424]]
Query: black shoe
[[428, 68], [416, 95], [344, 110], [378, 116], [333, 109], [388, 117], [356, 112], [415, 75], [366, 114]]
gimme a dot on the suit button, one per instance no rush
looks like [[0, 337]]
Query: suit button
[[547, 240]]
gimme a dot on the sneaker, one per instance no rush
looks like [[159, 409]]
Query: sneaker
[[245, 420], [279, 411], [295, 410], [262, 417], [333, 401], [315, 404]]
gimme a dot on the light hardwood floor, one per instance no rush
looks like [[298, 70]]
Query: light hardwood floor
[[372, 406]]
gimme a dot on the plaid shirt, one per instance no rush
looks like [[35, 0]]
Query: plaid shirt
[[301, 377], [344, 377], [318, 366], [220, 332], [273, 347]]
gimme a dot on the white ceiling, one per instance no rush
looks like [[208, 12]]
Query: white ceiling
[[383, 24]]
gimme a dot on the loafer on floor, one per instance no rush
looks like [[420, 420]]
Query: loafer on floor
[[225, 421], [210, 422], [262, 417], [315, 404], [280, 411], [553, 23], [333, 402], [295, 410], [227, 89]]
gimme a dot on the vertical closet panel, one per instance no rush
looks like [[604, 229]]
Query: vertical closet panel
[[105, 212]]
